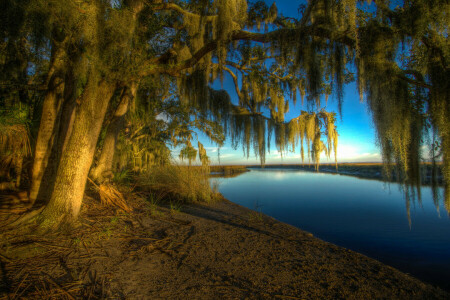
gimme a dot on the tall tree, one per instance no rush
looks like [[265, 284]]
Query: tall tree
[[96, 48]]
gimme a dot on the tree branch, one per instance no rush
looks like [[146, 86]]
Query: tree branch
[[18, 86], [161, 65], [307, 13], [154, 66], [272, 74], [414, 82], [235, 80], [180, 10]]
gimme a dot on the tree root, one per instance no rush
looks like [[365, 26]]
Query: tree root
[[25, 218]]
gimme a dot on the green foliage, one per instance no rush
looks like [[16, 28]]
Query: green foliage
[[143, 143], [123, 176]]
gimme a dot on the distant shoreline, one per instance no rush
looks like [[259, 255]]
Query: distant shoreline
[[359, 170]]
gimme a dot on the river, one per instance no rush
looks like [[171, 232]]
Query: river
[[367, 216]]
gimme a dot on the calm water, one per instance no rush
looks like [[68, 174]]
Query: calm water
[[367, 216]]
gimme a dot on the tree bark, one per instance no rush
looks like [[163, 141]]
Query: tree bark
[[76, 159], [67, 113], [18, 170], [63, 127], [103, 170], [48, 127]]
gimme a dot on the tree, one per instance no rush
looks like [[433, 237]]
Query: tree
[[90, 54]]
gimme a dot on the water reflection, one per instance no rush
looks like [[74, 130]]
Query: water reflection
[[367, 216]]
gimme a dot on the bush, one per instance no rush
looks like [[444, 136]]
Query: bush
[[180, 183]]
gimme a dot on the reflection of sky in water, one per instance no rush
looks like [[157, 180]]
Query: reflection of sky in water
[[367, 216]]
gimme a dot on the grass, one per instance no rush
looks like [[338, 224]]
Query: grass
[[123, 177], [255, 217], [179, 184], [153, 204]]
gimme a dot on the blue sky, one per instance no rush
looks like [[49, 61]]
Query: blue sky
[[357, 141]]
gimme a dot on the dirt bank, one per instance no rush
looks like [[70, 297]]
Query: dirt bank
[[216, 251]]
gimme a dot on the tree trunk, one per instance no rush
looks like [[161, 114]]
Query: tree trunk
[[103, 170], [18, 165], [63, 127], [65, 201], [48, 127], [67, 113]]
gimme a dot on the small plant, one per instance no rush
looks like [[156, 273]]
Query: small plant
[[107, 232], [152, 199], [114, 220], [256, 215], [77, 241], [175, 208], [123, 176], [153, 206]]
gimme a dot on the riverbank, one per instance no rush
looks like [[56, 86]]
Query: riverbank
[[200, 251]]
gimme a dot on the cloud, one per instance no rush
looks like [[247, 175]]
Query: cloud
[[227, 155], [353, 153], [163, 117], [346, 153], [214, 149]]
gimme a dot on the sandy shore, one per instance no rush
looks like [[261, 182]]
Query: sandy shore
[[216, 251]]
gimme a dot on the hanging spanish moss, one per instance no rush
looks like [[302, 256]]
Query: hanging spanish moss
[[226, 16], [202, 155], [305, 63], [252, 129], [403, 105]]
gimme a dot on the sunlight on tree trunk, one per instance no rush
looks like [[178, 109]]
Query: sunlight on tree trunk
[[67, 196], [48, 128]]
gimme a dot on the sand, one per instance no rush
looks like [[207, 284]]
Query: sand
[[197, 251]]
